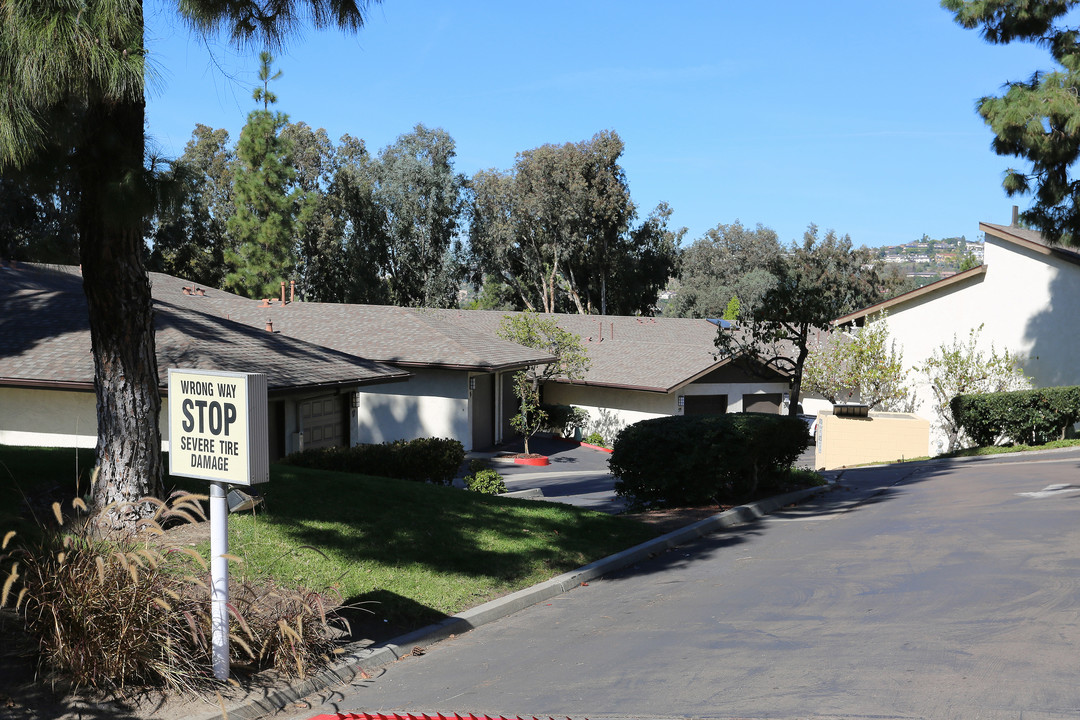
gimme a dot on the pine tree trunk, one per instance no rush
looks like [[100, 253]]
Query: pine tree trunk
[[118, 296]]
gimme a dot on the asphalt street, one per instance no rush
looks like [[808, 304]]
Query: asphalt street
[[916, 591]]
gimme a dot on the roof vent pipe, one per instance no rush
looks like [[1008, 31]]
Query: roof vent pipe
[[1016, 216], [292, 291], [282, 293], [269, 325]]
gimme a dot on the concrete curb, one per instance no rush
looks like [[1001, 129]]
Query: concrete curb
[[369, 658]]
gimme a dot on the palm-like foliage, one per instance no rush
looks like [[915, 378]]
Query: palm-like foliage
[[73, 74]]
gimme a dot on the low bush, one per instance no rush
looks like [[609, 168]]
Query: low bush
[[595, 438], [433, 460], [485, 481], [704, 459], [1031, 417]]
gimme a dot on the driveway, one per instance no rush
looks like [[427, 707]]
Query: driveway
[[578, 475], [919, 591]]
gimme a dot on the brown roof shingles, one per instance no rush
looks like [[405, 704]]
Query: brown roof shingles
[[45, 340], [403, 336]]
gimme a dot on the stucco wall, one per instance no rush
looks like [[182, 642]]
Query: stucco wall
[[433, 403], [1026, 303], [612, 409], [47, 418], [55, 418], [882, 437]]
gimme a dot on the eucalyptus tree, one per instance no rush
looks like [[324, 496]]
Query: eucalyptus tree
[[74, 79], [420, 199], [189, 236], [557, 229], [728, 261]]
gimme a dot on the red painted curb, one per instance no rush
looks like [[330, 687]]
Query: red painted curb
[[532, 461]]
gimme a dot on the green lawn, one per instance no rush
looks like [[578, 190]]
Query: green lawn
[[415, 552], [420, 551]]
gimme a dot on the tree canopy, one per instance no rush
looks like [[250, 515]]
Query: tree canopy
[[266, 199], [1037, 119], [557, 230], [815, 282], [728, 262]]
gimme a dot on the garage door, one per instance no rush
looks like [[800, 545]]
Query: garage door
[[704, 404], [764, 403], [323, 421]]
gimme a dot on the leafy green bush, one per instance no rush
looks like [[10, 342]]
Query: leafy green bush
[[1032, 417], [427, 459], [595, 438], [706, 459], [485, 481]]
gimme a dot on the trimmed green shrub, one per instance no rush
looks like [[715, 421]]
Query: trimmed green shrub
[[433, 460], [1030, 417], [704, 459], [595, 438], [486, 481]]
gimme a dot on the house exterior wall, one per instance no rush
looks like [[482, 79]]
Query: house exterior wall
[[612, 409], [1026, 302], [48, 418], [433, 403]]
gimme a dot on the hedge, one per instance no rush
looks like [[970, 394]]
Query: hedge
[[1030, 417], [434, 460], [704, 459]]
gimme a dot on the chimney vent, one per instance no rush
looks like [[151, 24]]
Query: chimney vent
[[1016, 216], [269, 325], [282, 293], [292, 291]]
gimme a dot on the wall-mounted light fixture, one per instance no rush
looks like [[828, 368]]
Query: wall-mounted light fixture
[[472, 382]]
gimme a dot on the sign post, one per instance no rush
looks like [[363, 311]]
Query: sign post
[[218, 432]]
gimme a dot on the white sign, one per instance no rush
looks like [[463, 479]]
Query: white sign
[[218, 426]]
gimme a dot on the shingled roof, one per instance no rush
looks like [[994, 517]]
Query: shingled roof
[[45, 340], [406, 337], [652, 354], [639, 353]]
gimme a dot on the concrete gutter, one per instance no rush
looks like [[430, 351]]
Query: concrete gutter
[[273, 699]]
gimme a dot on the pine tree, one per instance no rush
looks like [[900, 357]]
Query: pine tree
[[73, 79], [267, 202]]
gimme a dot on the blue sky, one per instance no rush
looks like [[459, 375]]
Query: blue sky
[[854, 115]]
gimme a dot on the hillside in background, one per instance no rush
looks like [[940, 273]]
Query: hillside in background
[[928, 260]]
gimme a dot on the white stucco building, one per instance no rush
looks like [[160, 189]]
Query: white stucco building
[[1025, 295]]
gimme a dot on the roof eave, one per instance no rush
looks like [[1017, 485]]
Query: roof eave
[[910, 295]]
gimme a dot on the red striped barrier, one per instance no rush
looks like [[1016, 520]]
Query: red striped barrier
[[410, 716]]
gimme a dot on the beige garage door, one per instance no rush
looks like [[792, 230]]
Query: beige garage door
[[324, 421]]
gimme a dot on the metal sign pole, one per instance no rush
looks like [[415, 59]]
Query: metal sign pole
[[219, 578]]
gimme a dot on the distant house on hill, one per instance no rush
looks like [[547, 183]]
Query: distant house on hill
[[1025, 296]]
